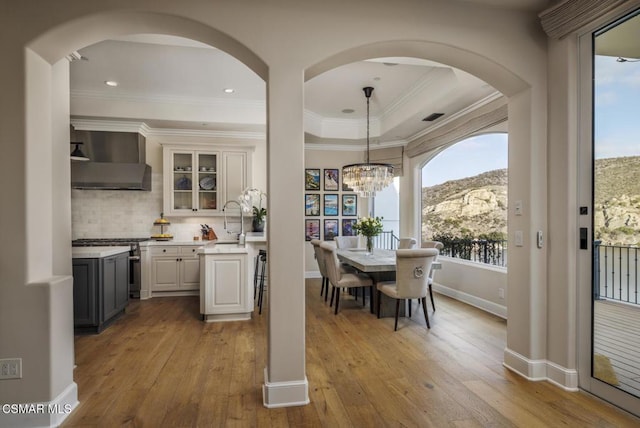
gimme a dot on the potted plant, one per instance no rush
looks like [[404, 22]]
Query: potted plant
[[251, 200]]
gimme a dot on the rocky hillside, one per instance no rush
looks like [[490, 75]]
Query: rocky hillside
[[617, 200], [471, 207], [477, 206]]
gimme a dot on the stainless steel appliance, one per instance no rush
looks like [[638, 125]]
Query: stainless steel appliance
[[135, 275]]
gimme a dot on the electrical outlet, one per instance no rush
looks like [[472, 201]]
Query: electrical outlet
[[501, 293], [11, 368]]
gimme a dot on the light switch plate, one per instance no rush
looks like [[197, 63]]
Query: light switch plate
[[519, 238]]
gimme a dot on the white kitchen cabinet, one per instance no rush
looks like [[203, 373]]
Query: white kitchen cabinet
[[174, 268], [224, 290], [198, 180]]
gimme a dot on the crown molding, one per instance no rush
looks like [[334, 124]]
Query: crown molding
[[353, 147], [147, 131]]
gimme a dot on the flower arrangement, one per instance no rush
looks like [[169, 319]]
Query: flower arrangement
[[369, 226], [251, 201]]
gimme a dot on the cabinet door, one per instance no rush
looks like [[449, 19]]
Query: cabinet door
[[179, 178], [122, 281], [226, 284], [109, 278], [235, 179], [190, 274], [207, 182], [85, 302], [164, 274]]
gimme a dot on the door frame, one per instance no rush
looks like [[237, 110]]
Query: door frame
[[585, 190]]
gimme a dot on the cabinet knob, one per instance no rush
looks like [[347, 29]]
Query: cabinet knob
[[164, 251]]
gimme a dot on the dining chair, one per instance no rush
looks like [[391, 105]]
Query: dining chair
[[341, 279], [343, 242], [438, 246], [319, 254], [407, 243], [412, 279]]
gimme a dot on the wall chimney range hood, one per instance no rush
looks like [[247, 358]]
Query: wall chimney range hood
[[118, 161]]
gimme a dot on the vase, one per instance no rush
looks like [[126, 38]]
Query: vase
[[258, 225], [369, 244]]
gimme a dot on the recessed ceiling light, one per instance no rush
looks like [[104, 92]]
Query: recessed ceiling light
[[111, 83], [348, 110], [229, 90]]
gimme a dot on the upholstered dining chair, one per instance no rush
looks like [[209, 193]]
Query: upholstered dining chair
[[341, 279], [321, 265], [407, 243], [438, 246], [343, 242], [412, 279]]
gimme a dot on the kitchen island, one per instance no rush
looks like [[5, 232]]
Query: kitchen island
[[226, 279], [100, 286]]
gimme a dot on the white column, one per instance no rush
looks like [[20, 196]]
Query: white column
[[285, 379]]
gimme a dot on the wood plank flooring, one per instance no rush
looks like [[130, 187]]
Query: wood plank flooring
[[617, 337], [160, 366]]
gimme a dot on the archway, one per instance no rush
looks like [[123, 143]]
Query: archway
[[47, 340]]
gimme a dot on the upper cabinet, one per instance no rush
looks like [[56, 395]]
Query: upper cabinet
[[198, 180]]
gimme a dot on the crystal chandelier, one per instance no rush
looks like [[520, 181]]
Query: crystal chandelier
[[367, 178]]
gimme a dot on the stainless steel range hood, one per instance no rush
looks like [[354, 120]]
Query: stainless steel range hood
[[117, 161]]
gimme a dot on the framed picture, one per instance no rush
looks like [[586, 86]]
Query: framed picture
[[331, 180], [311, 179], [347, 227], [330, 229], [346, 188], [311, 204], [349, 205], [331, 204], [311, 229]]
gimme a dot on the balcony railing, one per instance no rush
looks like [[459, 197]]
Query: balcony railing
[[488, 251], [615, 272]]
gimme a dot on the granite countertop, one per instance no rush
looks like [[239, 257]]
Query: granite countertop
[[257, 237], [97, 252]]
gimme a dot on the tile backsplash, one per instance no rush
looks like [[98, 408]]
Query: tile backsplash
[[130, 214]]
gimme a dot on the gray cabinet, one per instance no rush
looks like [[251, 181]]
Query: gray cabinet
[[100, 291]]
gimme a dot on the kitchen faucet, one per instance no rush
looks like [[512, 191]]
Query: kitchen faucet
[[241, 235]]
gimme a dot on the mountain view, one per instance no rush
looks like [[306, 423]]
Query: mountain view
[[472, 207], [476, 207]]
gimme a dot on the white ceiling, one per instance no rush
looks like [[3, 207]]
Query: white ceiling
[[178, 84]]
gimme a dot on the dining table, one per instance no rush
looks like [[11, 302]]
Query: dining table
[[380, 265]]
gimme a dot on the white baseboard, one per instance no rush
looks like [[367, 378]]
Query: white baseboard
[[485, 305], [31, 415], [537, 370], [284, 394]]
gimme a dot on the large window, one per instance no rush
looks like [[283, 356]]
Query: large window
[[386, 204], [464, 198]]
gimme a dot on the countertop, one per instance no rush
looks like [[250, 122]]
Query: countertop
[[97, 252], [256, 237]]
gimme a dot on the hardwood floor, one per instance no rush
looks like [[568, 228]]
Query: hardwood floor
[[160, 366]]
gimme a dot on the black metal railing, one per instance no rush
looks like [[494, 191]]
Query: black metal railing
[[488, 251], [615, 272]]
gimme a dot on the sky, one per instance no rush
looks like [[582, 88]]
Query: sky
[[617, 108], [467, 158]]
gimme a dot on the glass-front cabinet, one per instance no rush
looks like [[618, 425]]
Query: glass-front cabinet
[[197, 181]]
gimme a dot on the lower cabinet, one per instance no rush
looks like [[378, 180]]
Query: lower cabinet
[[224, 291], [175, 268], [100, 291]]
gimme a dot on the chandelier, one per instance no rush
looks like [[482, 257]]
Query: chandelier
[[367, 178]]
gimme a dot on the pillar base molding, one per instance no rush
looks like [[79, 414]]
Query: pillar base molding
[[48, 414], [284, 394], [538, 370]]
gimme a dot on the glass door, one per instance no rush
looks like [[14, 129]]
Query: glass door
[[207, 181], [182, 193], [610, 179]]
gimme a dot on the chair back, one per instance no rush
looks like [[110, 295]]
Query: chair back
[[433, 244], [412, 272], [331, 262], [346, 241], [407, 243], [319, 256]]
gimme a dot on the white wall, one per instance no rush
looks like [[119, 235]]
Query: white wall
[[314, 158]]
